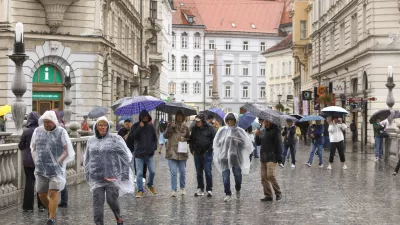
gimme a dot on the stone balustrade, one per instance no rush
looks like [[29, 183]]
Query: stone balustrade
[[12, 178]]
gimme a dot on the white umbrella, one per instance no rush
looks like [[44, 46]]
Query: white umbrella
[[335, 110]]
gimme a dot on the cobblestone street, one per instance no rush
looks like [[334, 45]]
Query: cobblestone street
[[366, 193]]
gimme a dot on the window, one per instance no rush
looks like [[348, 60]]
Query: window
[[184, 63], [354, 29], [196, 64], [173, 40], [126, 45], [245, 45], [342, 36], [262, 70], [210, 69], [184, 88], [290, 68], [210, 90], [245, 92], [227, 45], [172, 88], [119, 41], [365, 20], [190, 19], [245, 69], [323, 48], [262, 92], [184, 39], [290, 91], [227, 69], [262, 46], [283, 69], [332, 43], [211, 44], [173, 61], [197, 41], [228, 91], [272, 71], [271, 93], [303, 29], [196, 88], [153, 9], [153, 45]]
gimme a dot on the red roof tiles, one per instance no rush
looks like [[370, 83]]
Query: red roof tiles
[[284, 44], [188, 8]]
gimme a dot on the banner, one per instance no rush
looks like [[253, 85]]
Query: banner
[[305, 107], [296, 105]]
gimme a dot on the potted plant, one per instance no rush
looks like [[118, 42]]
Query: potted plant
[[279, 107], [327, 99], [287, 110]]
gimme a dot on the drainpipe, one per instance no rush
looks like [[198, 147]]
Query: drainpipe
[[319, 65], [141, 50]]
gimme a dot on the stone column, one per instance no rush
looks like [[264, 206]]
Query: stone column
[[392, 148]]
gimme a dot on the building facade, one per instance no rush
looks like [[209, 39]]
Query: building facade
[[353, 45]]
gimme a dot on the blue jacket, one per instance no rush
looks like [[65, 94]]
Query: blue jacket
[[318, 134]]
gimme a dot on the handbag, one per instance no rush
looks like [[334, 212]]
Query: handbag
[[182, 147]]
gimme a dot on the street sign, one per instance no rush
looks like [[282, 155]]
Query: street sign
[[337, 87], [307, 95], [358, 100]]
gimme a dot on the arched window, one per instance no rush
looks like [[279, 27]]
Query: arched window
[[196, 64], [365, 81], [354, 86]]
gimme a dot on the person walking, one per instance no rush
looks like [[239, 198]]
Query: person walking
[[201, 146], [177, 132], [315, 132], [29, 165], [336, 139], [232, 148], [270, 155], [261, 129], [161, 139], [354, 131], [51, 151], [85, 124], [289, 134], [107, 170], [145, 144], [378, 129], [125, 129]]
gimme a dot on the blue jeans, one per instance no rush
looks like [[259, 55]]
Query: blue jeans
[[313, 148], [203, 162], [378, 143], [149, 160], [292, 153], [255, 152], [237, 173], [174, 166]]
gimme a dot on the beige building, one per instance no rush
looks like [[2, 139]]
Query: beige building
[[101, 40], [353, 43]]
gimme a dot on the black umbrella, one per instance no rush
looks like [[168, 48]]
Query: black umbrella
[[383, 115], [264, 113], [173, 107], [299, 117], [98, 112]]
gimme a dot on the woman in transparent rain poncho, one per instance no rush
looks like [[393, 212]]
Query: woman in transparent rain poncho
[[232, 148], [107, 170], [51, 150]]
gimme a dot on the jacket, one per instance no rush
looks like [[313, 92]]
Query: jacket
[[377, 129], [201, 139], [336, 132], [173, 133], [25, 142], [318, 132], [144, 138], [289, 135], [271, 144]]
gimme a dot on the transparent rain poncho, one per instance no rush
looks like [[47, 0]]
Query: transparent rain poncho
[[48, 146], [232, 147], [107, 162]]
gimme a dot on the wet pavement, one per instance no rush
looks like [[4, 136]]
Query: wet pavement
[[366, 193]]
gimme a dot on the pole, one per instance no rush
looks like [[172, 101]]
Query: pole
[[215, 97], [319, 67]]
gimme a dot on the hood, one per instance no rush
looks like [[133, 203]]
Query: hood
[[232, 115], [144, 113], [32, 120], [180, 112], [103, 118], [59, 118], [49, 115]]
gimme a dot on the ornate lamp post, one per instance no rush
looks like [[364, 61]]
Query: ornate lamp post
[[18, 86], [279, 100], [390, 98], [67, 98]]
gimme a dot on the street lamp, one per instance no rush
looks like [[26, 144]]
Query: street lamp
[[18, 85], [279, 98], [135, 70], [390, 98], [67, 99]]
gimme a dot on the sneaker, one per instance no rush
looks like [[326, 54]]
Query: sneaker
[[41, 209], [139, 194], [199, 193], [120, 221], [63, 205], [183, 191], [344, 167], [152, 190], [237, 194], [267, 199], [308, 164], [50, 222], [173, 194], [394, 173], [329, 167], [278, 197], [209, 193], [293, 166], [281, 165], [227, 198], [321, 165]]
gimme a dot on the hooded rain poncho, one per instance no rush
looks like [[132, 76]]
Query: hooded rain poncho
[[232, 147], [107, 161], [48, 146]]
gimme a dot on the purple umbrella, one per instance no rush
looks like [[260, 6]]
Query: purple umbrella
[[246, 120], [217, 113], [138, 103]]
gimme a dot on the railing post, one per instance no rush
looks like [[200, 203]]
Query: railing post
[[78, 156]]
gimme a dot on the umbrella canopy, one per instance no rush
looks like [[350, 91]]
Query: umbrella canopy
[[117, 103], [383, 115], [98, 112], [334, 111], [5, 109], [297, 116], [136, 104], [311, 118], [246, 120], [173, 107], [217, 113], [287, 117], [264, 113]]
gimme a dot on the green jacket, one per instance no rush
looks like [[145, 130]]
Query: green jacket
[[377, 129]]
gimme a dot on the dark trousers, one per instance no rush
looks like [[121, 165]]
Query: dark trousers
[[64, 196], [292, 153], [100, 194], [29, 191], [397, 167], [203, 162], [339, 146]]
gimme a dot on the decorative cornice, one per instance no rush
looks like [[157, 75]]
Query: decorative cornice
[[55, 10]]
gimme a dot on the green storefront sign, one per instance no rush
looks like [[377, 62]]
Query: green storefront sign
[[52, 96]]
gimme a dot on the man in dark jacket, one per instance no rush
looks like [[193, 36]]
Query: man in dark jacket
[[289, 135], [201, 146], [145, 143], [29, 165], [270, 154]]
